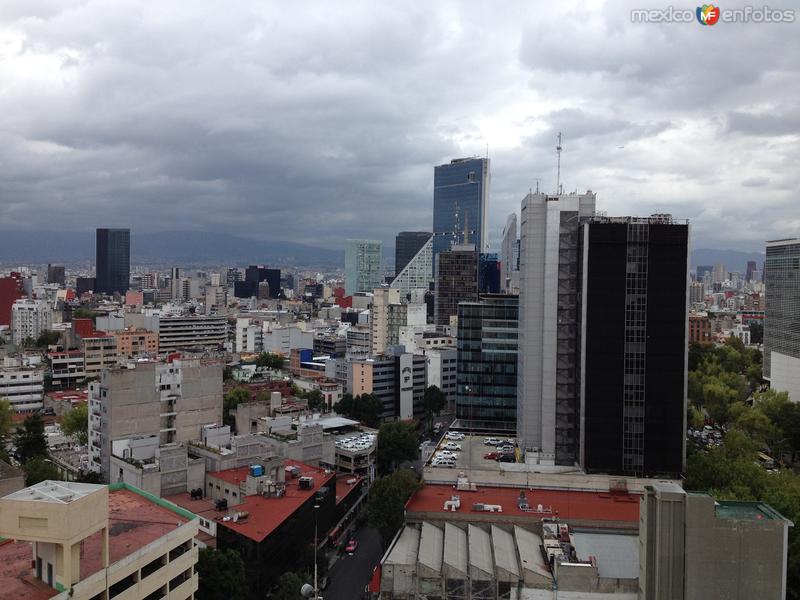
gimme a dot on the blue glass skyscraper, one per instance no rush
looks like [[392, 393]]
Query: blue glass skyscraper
[[460, 196]]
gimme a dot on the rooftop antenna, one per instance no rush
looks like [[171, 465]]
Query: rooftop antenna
[[538, 179], [558, 170]]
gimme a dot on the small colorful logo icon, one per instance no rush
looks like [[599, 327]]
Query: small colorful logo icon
[[708, 14]]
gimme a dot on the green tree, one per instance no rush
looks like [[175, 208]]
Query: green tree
[[76, 423], [368, 409], [221, 575], [289, 585], [230, 401], [89, 477], [47, 338], [434, 401], [387, 499], [756, 333], [315, 399], [29, 439], [39, 469], [694, 416], [397, 442], [344, 406], [84, 313]]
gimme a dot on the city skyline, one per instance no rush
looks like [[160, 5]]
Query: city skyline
[[347, 137]]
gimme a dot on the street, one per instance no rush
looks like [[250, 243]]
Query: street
[[351, 573]]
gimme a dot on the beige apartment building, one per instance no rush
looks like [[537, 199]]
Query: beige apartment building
[[99, 352], [78, 541], [135, 342]]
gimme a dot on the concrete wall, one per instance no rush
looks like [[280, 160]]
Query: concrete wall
[[732, 559]]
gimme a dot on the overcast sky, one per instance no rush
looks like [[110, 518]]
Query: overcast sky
[[314, 122]]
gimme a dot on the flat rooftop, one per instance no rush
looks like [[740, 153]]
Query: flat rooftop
[[133, 522], [566, 504], [266, 514], [747, 511]]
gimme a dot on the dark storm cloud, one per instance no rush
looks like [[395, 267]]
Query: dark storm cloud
[[321, 121]]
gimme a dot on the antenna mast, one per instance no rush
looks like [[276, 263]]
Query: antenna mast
[[558, 169]]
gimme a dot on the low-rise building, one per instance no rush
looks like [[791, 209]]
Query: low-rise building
[[132, 343], [23, 386], [67, 368], [99, 351], [60, 402], [192, 332], [78, 541]]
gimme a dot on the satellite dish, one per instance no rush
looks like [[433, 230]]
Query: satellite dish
[[307, 590]]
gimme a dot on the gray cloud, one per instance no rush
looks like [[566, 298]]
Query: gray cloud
[[317, 122]]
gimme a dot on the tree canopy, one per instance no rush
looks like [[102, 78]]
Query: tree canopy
[[39, 469], [76, 423], [435, 400], [366, 408], [29, 440], [397, 442], [221, 575], [6, 414], [269, 360], [387, 499]]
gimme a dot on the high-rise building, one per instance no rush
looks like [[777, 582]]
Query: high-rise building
[[406, 246], [486, 375], [56, 274], [782, 319], [175, 283], [84, 285], [232, 275], [702, 270], [254, 275], [113, 261], [750, 273], [489, 269], [417, 274], [379, 318], [460, 198], [11, 290], [399, 382], [29, 318], [362, 266], [509, 267], [456, 281], [547, 380], [634, 276], [719, 273]]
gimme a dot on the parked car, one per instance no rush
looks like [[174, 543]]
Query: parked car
[[490, 441], [508, 458], [351, 546], [505, 448], [454, 435], [491, 456], [452, 446]]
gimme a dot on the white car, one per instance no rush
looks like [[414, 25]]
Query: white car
[[492, 441], [454, 435], [448, 453], [452, 446]]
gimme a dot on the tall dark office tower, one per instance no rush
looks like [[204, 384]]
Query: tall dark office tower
[[702, 270], [751, 271], [486, 371], [255, 274], [406, 246], [113, 261], [56, 274], [633, 331], [782, 323], [460, 198], [489, 269], [456, 281]]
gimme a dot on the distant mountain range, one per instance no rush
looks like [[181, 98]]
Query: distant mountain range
[[734, 260], [212, 248], [181, 247]]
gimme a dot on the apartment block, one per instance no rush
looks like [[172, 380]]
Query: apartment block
[[23, 386], [169, 400], [29, 318]]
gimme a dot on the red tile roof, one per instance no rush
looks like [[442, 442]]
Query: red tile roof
[[133, 522], [566, 504], [266, 514]]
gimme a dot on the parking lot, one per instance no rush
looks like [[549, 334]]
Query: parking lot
[[471, 453]]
